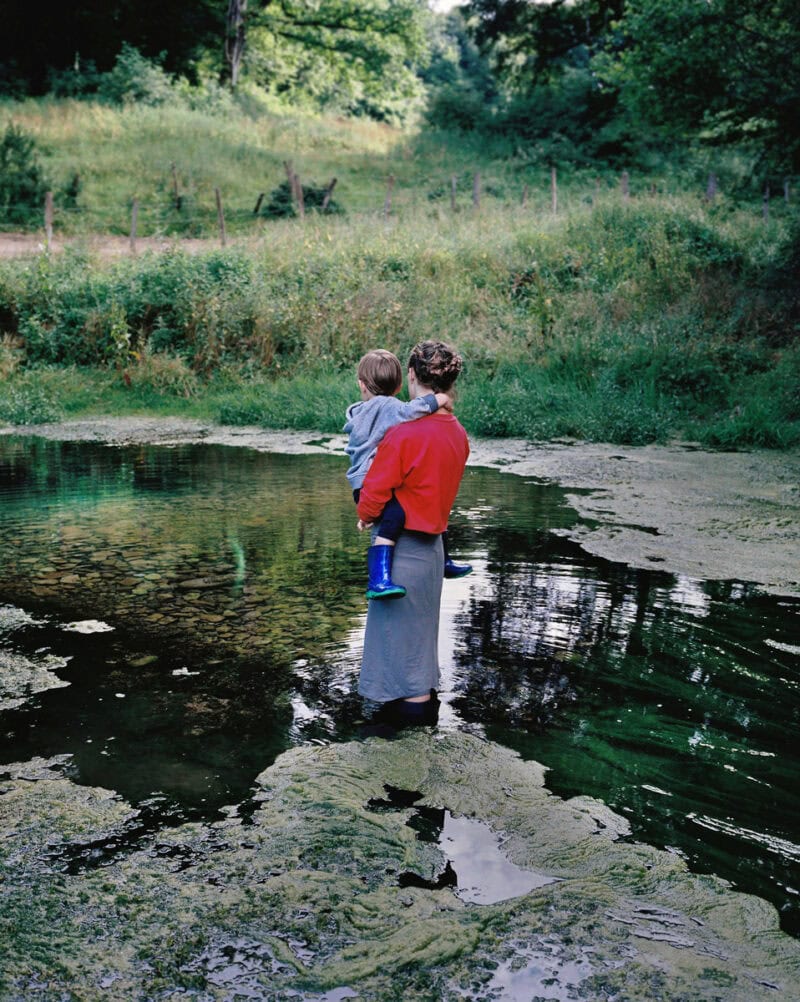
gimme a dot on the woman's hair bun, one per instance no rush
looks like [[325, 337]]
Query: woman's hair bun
[[435, 364]]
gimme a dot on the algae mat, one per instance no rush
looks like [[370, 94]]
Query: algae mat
[[322, 887]]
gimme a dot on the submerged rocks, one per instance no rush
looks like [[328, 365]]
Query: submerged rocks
[[300, 894]]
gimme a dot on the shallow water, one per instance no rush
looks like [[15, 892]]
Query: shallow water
[[231, 585]]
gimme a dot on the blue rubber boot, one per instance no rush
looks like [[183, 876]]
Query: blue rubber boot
[[380, 584], [453, 570]]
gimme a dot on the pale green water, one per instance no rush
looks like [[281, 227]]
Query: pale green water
[[233, 585]]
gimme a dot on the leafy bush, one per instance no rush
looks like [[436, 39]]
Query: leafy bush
[[26, 401], [78, 80], [22, 182], [135, 80], [457, 107], [281, 204]]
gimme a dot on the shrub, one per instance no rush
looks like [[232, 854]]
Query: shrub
[[281, 204], [159, 373], [77, 80], [22, 182], [26, 401], [135, 80]]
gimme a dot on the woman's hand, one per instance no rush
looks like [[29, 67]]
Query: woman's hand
[[361, 525]]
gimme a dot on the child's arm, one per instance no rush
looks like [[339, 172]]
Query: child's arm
[[419, 406]]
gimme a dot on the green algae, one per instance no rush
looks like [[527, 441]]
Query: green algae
[[304, 897], [22, 677]]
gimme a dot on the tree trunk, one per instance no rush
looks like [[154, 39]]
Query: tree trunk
[[235, 37]]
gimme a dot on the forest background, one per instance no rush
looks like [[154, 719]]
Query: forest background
[[595, 201]]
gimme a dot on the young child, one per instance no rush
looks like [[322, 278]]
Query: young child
[[380, 379]]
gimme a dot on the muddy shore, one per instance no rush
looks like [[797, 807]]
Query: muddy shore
[[683, 510]]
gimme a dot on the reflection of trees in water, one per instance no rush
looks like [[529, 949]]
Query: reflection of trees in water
[[555, 627], [551, 620], [656, 694]]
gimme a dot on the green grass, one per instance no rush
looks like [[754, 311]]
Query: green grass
[[620, 320], [121, 153]]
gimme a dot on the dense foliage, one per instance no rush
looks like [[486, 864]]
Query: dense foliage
[[620, 322], [638, 310], [22, 182], [585, 80]]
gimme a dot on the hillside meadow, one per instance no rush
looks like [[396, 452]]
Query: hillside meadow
[[628, 319]]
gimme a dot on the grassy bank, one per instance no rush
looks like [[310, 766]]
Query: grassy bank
[[619, 319], [96, 158], [625, 322]]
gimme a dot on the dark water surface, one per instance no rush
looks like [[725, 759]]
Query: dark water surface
[[204, 606]]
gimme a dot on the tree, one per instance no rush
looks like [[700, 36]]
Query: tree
[[541, 55], [362, 54], [235, 37], [372, 35], [725, 70], [532, 43], [33, 45]]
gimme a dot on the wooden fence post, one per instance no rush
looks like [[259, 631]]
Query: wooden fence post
[[298, 194], [625, 185], [48, 219], [296, 188], [175, 191], [476, 190], [134, 222], [387, 202], [259, 200], [765, 203], [220, 216], [453, 184], [328, 192], [711, 188], [553, 190]]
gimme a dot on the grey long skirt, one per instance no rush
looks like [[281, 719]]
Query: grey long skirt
[[401, 655]]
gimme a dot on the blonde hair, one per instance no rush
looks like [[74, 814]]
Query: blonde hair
[[380, 371]]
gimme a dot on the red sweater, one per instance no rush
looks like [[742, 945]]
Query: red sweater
[[422, 461]]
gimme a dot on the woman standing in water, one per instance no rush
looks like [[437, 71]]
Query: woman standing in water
[[421, 463]]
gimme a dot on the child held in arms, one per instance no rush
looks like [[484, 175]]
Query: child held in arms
[[380, 379]]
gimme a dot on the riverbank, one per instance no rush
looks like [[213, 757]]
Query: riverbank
[[682, 510]]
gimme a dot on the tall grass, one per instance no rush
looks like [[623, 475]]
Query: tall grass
[[625, 320], [125, 152]]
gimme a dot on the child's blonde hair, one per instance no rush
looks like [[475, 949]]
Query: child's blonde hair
[[380, 371]]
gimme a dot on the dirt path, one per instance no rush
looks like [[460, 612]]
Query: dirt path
[[106, 247], [709, 515]]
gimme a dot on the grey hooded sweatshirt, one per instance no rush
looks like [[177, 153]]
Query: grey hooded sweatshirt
[[369, 420]]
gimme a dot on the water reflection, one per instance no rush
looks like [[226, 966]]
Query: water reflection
[[233, 582]]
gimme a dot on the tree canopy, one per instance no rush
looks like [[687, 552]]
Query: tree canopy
[[588, 78], [726, 70]]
